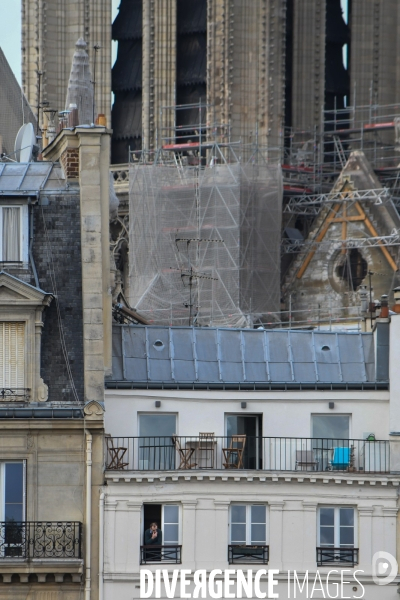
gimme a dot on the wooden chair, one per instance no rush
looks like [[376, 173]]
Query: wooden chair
[[116, 455], [233, 456], [306, 458], [185, 454], [207, 447]]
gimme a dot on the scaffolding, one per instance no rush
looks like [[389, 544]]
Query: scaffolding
[[204, 235]]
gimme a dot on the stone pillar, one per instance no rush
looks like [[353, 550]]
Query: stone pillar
[[309, 535], [365, 537], [188, 533], [110, 541], [127, 537], [221, 539], [276, 535]]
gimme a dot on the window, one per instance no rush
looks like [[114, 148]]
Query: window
[[248, 533], [14, 233], [251, 427], [12, 357], [336, 535], [156, 449], [12, 509], [331, 426], [167, 548]]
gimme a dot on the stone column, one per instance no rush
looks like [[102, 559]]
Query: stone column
[[309, 535], [188, 533], [127, 536], [276, 534], [365, 537], [110, 541], [221, 539]]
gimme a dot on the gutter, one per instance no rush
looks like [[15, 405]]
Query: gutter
[[88, 513], [101, 546]]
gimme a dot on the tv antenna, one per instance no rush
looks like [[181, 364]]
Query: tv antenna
[[190, 273]]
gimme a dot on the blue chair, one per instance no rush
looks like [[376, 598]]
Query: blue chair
[[341, 458]]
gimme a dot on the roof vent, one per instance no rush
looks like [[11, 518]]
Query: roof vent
[[325, 348], [158, 345]]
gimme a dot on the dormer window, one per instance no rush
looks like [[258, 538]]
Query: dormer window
[[14, 233], [12, 358]]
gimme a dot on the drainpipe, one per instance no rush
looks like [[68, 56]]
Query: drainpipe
[[88, 512], [101, 546]]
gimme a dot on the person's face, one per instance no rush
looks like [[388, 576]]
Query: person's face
[[154, 527]]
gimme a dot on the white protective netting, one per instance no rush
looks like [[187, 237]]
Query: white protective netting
[[231, 213]]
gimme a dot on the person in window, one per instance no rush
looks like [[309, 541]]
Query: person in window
[[153, 537]]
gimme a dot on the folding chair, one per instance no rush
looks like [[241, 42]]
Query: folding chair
[[341, 458], [185, 454], [116, 455], [207, 447], [233, 455], [306, 458]]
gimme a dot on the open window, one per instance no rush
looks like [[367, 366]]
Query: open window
[[156, 449], [14, 233], [13, 527], [167, 517], [251, 427]]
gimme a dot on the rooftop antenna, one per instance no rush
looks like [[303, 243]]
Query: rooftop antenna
[[39, 74], [25, 142], [96, 48]]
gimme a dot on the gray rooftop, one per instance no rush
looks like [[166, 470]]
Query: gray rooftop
[[18, 179], [186, 355]]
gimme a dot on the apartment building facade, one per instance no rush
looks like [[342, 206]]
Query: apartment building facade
[[251, 449]]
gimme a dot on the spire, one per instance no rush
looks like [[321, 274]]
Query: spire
[[80, 86]]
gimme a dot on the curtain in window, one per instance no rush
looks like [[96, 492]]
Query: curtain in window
[[12, 355], [11, 234]]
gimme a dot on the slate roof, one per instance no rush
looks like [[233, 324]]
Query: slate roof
[[160, 355]]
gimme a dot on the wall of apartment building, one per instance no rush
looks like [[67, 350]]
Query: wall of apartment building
[[49, 33], [55, 482], [204, 501], [284, 414]]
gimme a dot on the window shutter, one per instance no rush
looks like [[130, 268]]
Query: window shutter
[[12, 355]]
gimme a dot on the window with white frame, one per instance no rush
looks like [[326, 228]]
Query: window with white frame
[[14, 233], [248, 524], [12, 355], [336, 527]]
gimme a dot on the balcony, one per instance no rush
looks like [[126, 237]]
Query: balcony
[[41, 539], [169, 453], [248, 554], [335, 556], [14, 394], [155, 554]]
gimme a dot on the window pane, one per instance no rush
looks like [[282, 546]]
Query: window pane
[[171, 534], [157, 425], [330, 426], [238, 514], [258, 514], [238, 534], [11, 234], [327, 536], [14, 482], [171, 513], [347, 536], [258, 534], [346, 516], [326, 516]]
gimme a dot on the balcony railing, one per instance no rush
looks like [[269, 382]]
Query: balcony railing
[[334, 556], [168, 453], [14, 394], [41, 539], [156, 554], [245, 554]]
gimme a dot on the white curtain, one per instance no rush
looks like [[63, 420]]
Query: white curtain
[[11, 234]]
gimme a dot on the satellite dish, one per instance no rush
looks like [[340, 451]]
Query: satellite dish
[[24, 143]]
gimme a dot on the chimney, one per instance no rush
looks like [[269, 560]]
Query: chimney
[[384, 307], [396, 294]]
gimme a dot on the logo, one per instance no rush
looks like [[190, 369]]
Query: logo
[[384, 568]]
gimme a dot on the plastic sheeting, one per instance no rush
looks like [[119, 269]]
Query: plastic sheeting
[[205, 242]]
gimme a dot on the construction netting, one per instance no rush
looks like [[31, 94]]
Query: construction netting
[[205, 242]]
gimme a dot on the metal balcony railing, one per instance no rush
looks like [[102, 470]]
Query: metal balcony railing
[[41, 539], [156, 554], [246, 554], [168, 453], [14, 394], [334, 556]]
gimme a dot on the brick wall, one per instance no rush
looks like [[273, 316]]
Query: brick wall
[[70, 163], [62, 218]]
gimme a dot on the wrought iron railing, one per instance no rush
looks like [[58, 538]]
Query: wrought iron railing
[[333, 556], [41, 539], [14, 394], [168, 453], [244, 554], [155, 554]]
